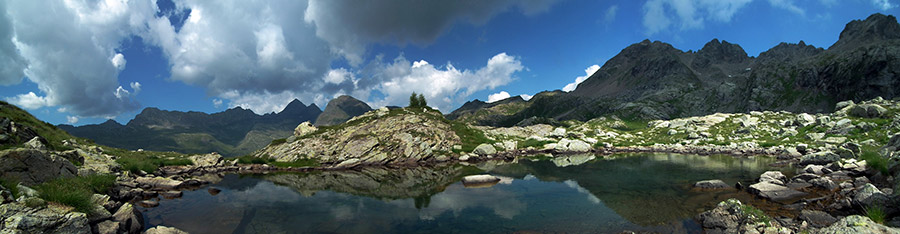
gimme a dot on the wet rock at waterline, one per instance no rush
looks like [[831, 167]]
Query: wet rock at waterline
[[480, 180], [711, 184]]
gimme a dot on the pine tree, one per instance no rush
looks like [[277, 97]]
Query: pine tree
[[413, 100], [421, 101]]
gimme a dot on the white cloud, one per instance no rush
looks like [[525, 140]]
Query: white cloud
[[883, 4], [217, 103], [119, 61], [349, 26], [71, 119], [337, 76], [441, 86], [526, 96], [610, 15], [587, 73], [262, 103], [29, 101], [688, 14], [71, 53], [787, 5], [498, 96]]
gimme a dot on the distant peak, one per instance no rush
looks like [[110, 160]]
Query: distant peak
[[110, 121], [874, 28], [723, 51]]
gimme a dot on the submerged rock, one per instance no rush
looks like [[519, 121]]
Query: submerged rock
[[164, 230], [711, 184]]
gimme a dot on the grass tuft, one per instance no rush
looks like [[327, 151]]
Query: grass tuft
[[10, 184], [875, 213], [147, 161], [874, 160], [76, 191]]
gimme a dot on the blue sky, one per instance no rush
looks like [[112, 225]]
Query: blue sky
[[90, 61]]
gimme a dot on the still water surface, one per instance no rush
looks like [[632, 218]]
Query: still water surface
[[575, 194]]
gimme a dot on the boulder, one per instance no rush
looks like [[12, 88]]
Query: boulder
[[304, 128], [857, 224], [711, 184], [844, 104], [130, 220], [107, 227], [819, 158], [870, 195], [775, 192], [31, 166], [805, 119], [558, 132], [36, 143], [164, 230], [824, 183], [817, 218], [159, 183], [814, 169], [207, 160], [775, 177], [572, 160], [485, 149], [566, 145], [18, 218], [867, 111], [731, 216]]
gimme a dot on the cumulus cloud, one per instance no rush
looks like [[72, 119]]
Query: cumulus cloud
[[350, 25], [498, 96], [70, 54], [688, 14], [217, 103], [587, 73], [71, 119], [883, 4], [440, 85], [29, 101]]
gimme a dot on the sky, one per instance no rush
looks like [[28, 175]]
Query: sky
[[84, 62]]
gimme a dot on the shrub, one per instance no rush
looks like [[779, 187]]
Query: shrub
[[76, 191], [278, 141]]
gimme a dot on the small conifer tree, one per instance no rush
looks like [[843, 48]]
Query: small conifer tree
[[413, 100], [421, 101]]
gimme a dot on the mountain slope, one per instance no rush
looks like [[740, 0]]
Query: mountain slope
[[235, 131], [341, 109], [653, 80]]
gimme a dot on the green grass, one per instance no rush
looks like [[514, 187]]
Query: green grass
[[147, 161], [51, 133], [76, 191], [10, 184], [533, 143], [278, 141], [874, 160], [756, 215], [469, 136], [303, 162], [875, 213]]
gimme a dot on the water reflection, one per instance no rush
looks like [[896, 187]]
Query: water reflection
[[648, 192]]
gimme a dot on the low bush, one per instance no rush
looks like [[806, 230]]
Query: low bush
[[875, 213], [874, 160]]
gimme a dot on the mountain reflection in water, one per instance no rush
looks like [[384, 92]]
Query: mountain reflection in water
[[637, 192]]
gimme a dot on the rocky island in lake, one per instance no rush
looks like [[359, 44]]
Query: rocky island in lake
[[799, 139]]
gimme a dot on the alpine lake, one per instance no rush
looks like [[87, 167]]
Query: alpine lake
[[640, 192]]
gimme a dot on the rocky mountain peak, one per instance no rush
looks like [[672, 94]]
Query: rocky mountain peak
[[789, 51], [722, 51], [341, 109], [876, 27]]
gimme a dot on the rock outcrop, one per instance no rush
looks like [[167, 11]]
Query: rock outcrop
[[857, 224], [31, 166], [401, 136], [18, 218], [731, 216]]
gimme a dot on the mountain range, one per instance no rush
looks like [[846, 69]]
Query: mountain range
[[654, 80], [236, 131]]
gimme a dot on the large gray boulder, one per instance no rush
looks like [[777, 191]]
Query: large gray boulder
[[817, 218], [857, 224], [775, 192], [566, 145], [31, 166], [159, 183], [207, 160], [18, 218], [485, 149], [870, 195], [130, 220], [304, 128], [867, 111], [711, 184], [731, 216], [819, 158]]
